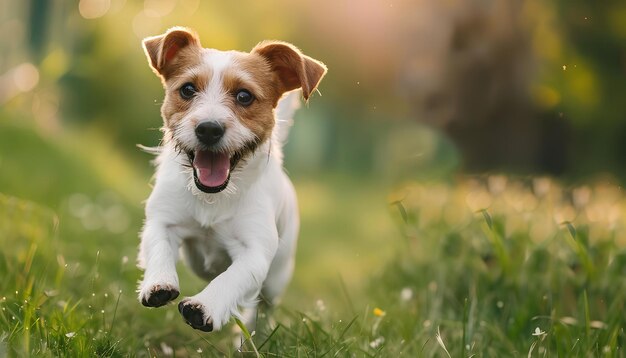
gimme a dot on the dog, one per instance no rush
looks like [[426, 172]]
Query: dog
[[221, 198]]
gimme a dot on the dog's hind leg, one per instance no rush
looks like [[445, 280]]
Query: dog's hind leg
[[204, 257], [284, 261]]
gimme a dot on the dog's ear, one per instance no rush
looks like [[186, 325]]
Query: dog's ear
[[293, 69], [163, 50]]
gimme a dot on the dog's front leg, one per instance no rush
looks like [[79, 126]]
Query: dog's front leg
[[157, 256], [252, 246]]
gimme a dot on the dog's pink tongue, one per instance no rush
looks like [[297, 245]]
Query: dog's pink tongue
[[212, 168]]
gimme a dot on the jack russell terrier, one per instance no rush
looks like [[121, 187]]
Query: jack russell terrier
[[221, 196]]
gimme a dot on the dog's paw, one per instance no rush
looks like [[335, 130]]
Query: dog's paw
[[158, 295], [194, 315]]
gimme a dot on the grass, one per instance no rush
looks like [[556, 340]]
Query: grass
[[488, 266]]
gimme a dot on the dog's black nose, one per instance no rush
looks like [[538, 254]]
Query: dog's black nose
[[209, 133]]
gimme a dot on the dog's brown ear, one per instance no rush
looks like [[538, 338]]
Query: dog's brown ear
[[294, 70], [163, 50]]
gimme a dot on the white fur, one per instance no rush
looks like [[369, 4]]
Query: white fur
[[242, 239], [209, 107]]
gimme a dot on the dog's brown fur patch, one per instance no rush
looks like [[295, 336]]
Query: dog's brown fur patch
[[269, 70]]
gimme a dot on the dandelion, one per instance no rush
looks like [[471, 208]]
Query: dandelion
[[378, 312]]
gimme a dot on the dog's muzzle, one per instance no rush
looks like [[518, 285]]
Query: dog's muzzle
[[211, 168]]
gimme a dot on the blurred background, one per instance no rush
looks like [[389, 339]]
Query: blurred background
[[416, 90]]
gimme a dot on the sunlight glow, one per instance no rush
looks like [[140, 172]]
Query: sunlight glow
[[158, 8], [22, 78], [93, 9]]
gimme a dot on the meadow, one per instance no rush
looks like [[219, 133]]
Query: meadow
[[402, 251], [486, 266]]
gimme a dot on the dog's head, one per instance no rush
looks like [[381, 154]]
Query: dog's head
[[219, 105]]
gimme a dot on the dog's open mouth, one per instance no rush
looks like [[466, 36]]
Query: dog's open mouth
[[211, 169]]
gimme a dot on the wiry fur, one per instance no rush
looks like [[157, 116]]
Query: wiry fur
[[243, 238]]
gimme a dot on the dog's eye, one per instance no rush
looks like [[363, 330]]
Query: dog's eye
[[187, 91], [244, 97]]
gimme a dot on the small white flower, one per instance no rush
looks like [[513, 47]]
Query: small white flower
[[167, 350], [406, 294], [199, 350], [538, 332], [70, 334], [377, 342]]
